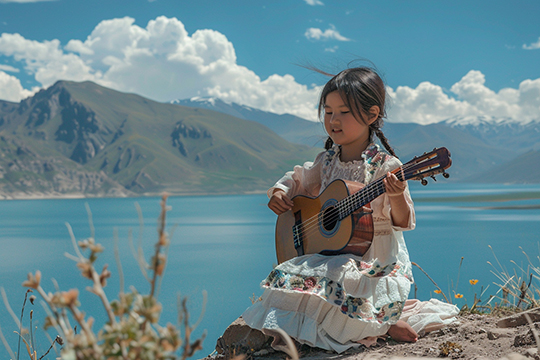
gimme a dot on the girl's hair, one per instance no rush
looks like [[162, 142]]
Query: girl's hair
[[360, 88]]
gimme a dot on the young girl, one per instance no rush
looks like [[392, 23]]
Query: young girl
[[333, 302]]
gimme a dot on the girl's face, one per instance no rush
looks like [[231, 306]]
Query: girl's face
[[342, 126]]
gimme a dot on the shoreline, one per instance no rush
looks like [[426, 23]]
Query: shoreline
[[74, 196]]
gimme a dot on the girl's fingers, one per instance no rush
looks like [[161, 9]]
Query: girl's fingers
[[287, 201], [393, 184], [280, 204]]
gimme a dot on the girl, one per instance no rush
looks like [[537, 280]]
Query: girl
[[333, 302]]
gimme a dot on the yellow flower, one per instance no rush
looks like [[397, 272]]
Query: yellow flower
[[437, 291], [458, 296], [473, 281]]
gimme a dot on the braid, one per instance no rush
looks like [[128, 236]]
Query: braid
[[328, 143], [384, 141]]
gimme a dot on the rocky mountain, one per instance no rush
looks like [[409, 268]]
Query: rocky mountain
[[291, 128], [478, 145], [81, 138]]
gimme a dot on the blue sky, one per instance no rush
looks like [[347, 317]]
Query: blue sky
[[439, 59]]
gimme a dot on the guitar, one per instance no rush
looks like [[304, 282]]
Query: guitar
[[339, 219]]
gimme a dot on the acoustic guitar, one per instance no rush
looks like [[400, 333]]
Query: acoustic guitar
[[339, 219]]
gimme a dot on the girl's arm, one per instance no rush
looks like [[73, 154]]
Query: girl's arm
[[303, 180], [399, 208], [280, 202]]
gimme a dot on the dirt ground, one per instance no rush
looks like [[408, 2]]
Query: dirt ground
[[472, 337]]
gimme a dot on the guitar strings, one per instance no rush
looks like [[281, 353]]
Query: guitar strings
[[311, 225], [377, 187], [349, 203]]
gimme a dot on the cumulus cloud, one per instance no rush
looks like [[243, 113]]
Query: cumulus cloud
[[328, 34], [428, 103], [11, 88], [314, 2], [532, 46], [8, 68], [162, 61]]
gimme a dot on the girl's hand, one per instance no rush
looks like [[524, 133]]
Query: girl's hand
[[399, 209], [394, 187], [280, 202]]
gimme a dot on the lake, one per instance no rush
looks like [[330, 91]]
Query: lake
[[225, 245]]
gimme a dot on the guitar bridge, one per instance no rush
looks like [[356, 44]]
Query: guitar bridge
[[298, 238]]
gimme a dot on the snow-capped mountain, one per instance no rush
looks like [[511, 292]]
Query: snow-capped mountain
[[478, 144]]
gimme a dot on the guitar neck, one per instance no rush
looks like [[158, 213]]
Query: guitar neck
[[429, 164], [366, 195]]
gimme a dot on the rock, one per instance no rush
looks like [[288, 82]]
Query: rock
[[239, 338], [524, 339], [519, 319]]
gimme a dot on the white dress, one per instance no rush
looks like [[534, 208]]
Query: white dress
[[332, 302]]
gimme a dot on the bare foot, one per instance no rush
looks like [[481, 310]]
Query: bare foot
[[402, 332]]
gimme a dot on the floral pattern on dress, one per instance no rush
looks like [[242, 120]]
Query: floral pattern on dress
[[334, 294], [373, 159], [375, 269]]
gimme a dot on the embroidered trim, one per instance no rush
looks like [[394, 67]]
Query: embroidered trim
[[361, 170], [381, 232], [334, 293]]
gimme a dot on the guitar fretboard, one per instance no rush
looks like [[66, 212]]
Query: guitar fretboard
[[366, 195]]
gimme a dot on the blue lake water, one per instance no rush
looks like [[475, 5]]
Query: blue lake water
[[225, 245]]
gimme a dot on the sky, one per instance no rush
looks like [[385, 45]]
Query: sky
[[439, 59]]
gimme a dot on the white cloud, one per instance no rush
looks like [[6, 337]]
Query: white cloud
[[332, 49], [9, 68], [162, 61], [314, 2], [11, 88], [428, 103], [328, 34], [532, 46]]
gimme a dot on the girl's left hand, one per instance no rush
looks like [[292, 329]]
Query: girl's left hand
[[394, 187]]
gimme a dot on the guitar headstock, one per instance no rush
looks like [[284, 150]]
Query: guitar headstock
[[430, 164]]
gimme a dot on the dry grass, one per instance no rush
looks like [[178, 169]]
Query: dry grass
[[131, 331]]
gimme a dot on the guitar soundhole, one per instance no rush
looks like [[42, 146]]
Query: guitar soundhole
[[330, 218]]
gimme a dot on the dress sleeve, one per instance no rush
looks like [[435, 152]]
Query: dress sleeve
[[303, 180], [391, 164]]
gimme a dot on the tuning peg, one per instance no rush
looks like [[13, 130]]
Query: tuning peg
[[423, 182], [445, 175]]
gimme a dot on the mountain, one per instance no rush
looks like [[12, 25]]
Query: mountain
[[82, 138], [291, 128], [477, 143], [522, 170]]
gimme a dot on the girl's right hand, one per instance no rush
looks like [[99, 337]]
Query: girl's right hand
[[280, 202]]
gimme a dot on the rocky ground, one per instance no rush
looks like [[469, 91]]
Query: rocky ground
[[474, 336]]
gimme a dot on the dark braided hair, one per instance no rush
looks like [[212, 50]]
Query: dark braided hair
[[360, 88]]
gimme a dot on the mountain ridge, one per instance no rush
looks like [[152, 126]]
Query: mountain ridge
[[82, 139], [136, 145], [477, 143]]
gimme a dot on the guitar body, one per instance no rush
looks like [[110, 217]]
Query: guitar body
[[339, 219], [320, 229]]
